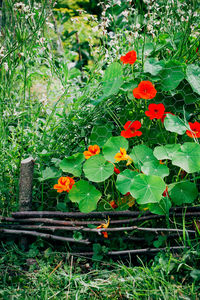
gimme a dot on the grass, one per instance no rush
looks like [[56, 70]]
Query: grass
[[55, 275]]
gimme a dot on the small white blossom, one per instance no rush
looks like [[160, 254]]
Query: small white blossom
[[125, 13], [136, 34], [95, 29], [5, 66], [50, 25], [2, 51]]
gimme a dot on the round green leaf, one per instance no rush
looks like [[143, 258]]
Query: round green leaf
[[97, 169], [193, 77], [154, 168], [160, 208], [175, 124], [141, 154], [153, 66], [86, 195], [166, 152], [125, 180], [147, 189], [188, 157], [171, 76], [72, 164], [112, 147], [183, 192]]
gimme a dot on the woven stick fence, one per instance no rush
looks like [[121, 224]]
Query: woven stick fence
[[60, 226]]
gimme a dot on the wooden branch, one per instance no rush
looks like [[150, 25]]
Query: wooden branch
[[117, 229], [136, 251], [78, 215], [81, 223], [138, 228], [42, 235], [104, 214]]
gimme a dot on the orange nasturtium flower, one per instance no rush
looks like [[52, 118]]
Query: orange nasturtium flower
[[113, 204], [64, 184], [104, 225], [122, 155], [145, 90], [92, 150]]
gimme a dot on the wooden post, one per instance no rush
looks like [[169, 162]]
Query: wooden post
[[25, 190]]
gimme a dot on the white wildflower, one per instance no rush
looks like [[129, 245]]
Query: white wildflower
[[125, 13], [95, 29], [136, 34], [50, 25], [5, 66], [2, 51]]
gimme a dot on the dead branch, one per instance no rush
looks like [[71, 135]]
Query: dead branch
[[104, 214], [78, 215], [75, 228], [42, 235]]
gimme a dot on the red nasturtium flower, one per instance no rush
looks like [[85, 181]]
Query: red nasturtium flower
[[131, 129], [165, 193], [145, 90], [117, 171], [156, 111], [195, 130], [129, 58], [92, 150], [64, 184]]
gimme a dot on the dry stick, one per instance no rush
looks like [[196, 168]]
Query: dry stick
[[136, 251], [74, 222], [25, 190], [42, 235], [57, 214], [75, 228], [60, 222], [127, 213], [49, 228]]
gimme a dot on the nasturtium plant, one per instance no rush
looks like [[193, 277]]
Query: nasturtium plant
[[183, 192], [125, 180], [188, 157], [162, 207], [97, 169], [86, 195], [112, 147], [166, 151], [72, 164], [141, 154], [147, 189], [155, 168], [175, 124]]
